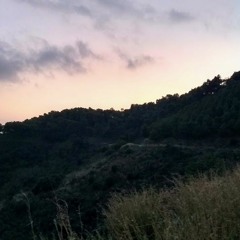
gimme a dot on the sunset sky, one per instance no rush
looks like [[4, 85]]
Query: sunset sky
[[58, 54]]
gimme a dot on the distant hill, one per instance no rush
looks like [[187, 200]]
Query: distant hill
[[82, 155], [211, 109]]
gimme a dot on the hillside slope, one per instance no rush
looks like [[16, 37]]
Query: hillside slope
[[82, 155]]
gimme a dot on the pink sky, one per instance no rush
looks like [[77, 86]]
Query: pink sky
[[106, 53]]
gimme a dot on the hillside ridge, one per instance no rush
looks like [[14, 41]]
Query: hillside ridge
[[82, 156]]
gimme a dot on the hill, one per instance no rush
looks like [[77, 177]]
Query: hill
[[83, 155]]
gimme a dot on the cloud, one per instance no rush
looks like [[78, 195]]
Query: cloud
[[63, 6], [52, 57], [178, 17], [47, 58], [99, 10], [11, 62], [9, 69], [95, 9], [105, 12], [133, 63], [83, 8], [85, 51], [139, 61], [123, 6]]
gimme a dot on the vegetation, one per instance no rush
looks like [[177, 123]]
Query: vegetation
[[203, 208], [82, 156]]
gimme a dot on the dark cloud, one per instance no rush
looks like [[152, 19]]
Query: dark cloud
[[85, 51], [9, 69], [11, 62], [135, 62], [139, 61], [178, 17], [69, 59], [52, 57]]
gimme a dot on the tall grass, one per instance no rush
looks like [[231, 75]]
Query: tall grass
[[200, 209], [204, 208]]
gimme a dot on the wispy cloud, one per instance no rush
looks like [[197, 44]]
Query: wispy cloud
[[105, 11], [133, 63], [139, 61], [9, 69], [124, 7], [11, 62], [96, 9], [63, 6], [85, 51], [176, 16], [52, 57], [69, 59]]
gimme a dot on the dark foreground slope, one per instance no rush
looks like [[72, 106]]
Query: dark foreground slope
[[82, 155]]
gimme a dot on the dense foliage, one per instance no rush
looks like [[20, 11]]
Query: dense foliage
[[82, 155]]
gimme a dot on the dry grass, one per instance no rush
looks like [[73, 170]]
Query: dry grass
[[204, 208], [201, 209]]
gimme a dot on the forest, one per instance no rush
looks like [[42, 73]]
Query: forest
[[82, 157]]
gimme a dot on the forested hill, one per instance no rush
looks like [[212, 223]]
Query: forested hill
[[83, 155], [212, 109]]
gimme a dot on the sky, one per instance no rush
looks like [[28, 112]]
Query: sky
[[58, 54]]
